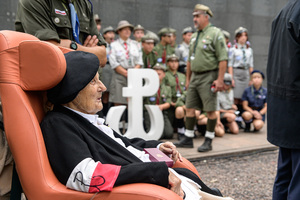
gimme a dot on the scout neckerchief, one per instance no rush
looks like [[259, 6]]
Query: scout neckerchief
[[126, 50], [195, 45], [164, 55], [75, 22]]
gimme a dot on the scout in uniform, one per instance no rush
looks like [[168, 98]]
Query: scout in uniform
[[182, 50], [124, 55], [107, 71], [240, 66], [205, 71], [163, 99], [255, 102], [98, 21], [176, 81], [173, 38], [149, 55], [138, 33], [51, 21], [163, 48]]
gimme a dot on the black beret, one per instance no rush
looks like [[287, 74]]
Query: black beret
[[81, 69], [257, 71]]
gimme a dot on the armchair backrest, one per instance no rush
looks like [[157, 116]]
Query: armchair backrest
[[29, 67]]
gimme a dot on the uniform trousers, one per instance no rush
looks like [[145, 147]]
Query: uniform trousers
[[287, 182]]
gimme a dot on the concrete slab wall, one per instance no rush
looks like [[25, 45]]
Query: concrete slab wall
[[255, 15]]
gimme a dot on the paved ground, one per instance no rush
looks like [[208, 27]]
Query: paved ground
[[229, 144]]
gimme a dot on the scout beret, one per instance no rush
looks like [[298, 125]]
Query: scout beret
[[81, 69], [257, 71], [187, 30], [240, 30], [159, 66], [108, 29], [123, 24], [226, 34], [164, 31], [201, 7], [138, 27], [172, 57]]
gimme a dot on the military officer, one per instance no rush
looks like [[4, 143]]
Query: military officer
[[163, 48], [182, 50], [205, 69], [50, 21], [149, 55], [163, 99], [176, 81], [124, 55]]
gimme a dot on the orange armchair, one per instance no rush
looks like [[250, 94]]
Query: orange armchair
[[29, 67]]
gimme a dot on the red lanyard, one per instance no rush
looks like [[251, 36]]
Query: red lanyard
[[158, 96], [177, 83], [127, 51]]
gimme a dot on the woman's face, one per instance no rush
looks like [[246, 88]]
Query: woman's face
[[88, 99], [242, 39]]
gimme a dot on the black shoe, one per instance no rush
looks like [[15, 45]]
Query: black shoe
[[206, 146], [240, 124], [216, 192], [185, 142], [179, 136], [247, 128]]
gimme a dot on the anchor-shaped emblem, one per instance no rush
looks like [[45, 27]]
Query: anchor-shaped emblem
[[135, 91]]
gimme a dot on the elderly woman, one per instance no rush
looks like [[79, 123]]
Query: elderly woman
[[87, 155]]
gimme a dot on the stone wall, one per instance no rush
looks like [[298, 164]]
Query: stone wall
[[255, 15]]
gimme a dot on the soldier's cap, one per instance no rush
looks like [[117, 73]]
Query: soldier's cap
[[257, 71], [150, 35], [159, 66], [138, 27], [173, 31], [123, 24], [97, 18], [149, 38], [187, 30], [108, 29], [226, 34], [227, 79], [164, 31], [172, 57], [240, 30], [199, 8]]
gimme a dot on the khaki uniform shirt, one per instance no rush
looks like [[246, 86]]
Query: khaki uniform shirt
[[165, 96], [209, 50], [119, 57], [240, 57], [50, 20], [178, 94], [149, 59], [159, 48], [182, 51]]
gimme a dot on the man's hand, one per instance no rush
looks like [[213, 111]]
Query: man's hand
[[219, 85], [169, 148], [175, 184], [91, 41]]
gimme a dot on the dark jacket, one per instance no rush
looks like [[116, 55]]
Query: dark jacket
[[70, 138], [283, 73]]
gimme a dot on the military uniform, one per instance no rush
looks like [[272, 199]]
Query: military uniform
[[177, 90], [164, 97], [204, 57], [159, 48], [150, 59], [50, 20]]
